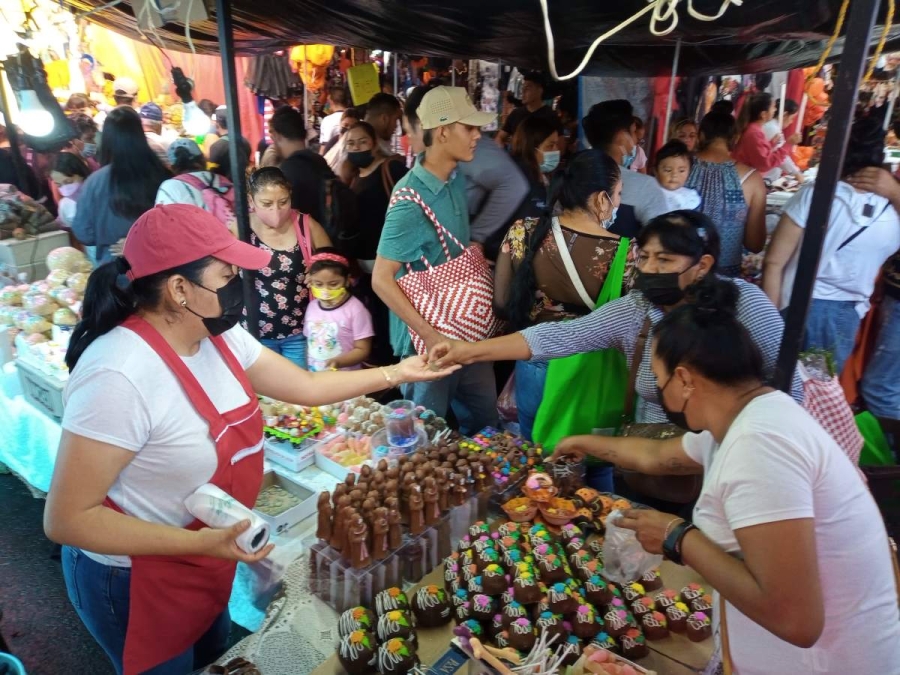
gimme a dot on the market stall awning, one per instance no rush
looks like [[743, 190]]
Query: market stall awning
[[758, 36]]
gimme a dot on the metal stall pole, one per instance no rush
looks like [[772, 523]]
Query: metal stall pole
[[671, 89], [237, 158], [846, 88], [396, 58], [452, 72]]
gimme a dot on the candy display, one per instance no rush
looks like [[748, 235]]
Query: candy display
[[431, 606], [356, 652], [699, 627], [511, 456], [396, 623], [396, 657], [677, 615], [358, 618]]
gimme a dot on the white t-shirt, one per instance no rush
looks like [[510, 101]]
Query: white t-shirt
[[644, 194], [121, 393], [848, 273], [776, 463], [682, 199], [330, 126]]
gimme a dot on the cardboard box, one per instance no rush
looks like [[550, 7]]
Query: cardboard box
[[292, 456], [30, 255], [43, 391], [286, 520]]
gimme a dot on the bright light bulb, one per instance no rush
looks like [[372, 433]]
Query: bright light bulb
[[34, 118], [196, 123]]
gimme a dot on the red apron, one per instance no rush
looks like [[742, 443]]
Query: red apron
[[174, 600]]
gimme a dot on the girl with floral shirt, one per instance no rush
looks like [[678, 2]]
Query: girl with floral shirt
[[280, 288]]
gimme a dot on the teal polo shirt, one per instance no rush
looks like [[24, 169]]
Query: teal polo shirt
[[409, 235]]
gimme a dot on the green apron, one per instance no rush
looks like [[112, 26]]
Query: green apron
[[585, 392]]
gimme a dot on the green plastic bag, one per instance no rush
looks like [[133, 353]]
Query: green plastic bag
[[585, 392], [875, 451]]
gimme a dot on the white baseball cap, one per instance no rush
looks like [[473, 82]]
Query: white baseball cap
[[125, 86], [448, 105]]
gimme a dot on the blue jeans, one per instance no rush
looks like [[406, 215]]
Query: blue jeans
[[101, 596], [470, 391], [292, 348], [530, 379], [832, 325], [881, 381]]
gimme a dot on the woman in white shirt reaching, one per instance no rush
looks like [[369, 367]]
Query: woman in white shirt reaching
[[161, 401], [863, 231], [784, 530]]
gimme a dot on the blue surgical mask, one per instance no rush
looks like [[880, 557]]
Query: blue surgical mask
[[628, 160], [551, 161], [89, 150], [608, 223]]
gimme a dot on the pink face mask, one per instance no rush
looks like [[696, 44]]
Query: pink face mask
[[273, 217], [70, 189]]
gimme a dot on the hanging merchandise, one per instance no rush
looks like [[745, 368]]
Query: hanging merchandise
[[272, 76], [310, 62]]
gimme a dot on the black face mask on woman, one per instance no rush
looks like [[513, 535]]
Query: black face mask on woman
[[660, 288], [231, 300], [360, 159], [678, 418]]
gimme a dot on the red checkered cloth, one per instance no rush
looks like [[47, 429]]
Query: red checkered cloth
[[825, 401], [457, 297]]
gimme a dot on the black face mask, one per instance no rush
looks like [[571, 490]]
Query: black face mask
[[231, 300], [678, 418], [360, 159], [660, 288]]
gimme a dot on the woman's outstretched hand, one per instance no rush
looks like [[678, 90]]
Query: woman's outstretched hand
[[419, 369], [450, 352]]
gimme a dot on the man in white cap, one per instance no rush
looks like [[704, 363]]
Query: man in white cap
[[451, 128], [125, 91]]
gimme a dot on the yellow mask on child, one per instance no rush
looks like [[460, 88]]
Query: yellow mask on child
[[328, 295]]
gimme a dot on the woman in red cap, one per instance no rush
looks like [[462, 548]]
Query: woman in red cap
[[162, 400]]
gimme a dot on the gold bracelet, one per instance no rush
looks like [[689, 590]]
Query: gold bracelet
[[671, 522]]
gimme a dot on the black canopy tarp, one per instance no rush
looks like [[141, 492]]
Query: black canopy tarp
[[759, 36]]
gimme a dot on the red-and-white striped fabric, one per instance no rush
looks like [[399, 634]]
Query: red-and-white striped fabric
[[456, 297]]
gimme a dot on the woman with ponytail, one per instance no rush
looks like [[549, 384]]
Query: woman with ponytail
[[785, 530], [161, 401], [553, 268]]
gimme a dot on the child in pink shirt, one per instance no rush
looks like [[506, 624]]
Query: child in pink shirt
[[337, 326]]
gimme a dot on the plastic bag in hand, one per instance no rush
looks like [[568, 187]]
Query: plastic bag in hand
[[624, 559]]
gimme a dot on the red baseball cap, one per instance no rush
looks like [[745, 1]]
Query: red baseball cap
[[171, 235]]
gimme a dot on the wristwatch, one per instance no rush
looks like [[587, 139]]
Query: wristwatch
[[672, 545]]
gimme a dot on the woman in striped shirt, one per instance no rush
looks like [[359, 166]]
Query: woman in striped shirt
[[677, 250]]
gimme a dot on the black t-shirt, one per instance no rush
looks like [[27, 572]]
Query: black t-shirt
[[307, 172], [517, 116], [8, 175], [372, 198]]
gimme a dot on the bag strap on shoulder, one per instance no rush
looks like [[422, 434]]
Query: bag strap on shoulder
[[640, 345], [407, 194]]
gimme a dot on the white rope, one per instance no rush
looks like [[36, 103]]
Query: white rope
[[662, 11]]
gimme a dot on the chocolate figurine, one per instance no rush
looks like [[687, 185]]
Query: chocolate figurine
[[323, 529], [380, 529], [444, 488], [339, 528], [357, 535], [395, 532], [416, 508], [382, 465], [350, 480], [430, 496]]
